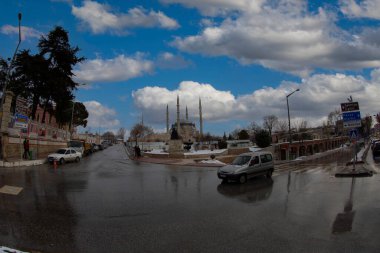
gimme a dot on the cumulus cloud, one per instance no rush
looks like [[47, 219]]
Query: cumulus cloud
[[26, 32], [100, 18], [361, 9], [168, 60], [283, 36], [120, 68], [220, 7], [319, 94], [100, 115]]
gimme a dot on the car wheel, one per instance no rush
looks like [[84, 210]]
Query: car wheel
[[77, 159], [269, 173], [243, 179], [62, 161]]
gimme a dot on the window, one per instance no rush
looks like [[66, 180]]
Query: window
[[266, 158], [72, 151], [263, 159], [240, 160]]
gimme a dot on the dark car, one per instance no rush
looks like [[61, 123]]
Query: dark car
[[376, 151]]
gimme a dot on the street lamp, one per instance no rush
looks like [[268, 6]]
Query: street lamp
[[287, 103], [7, 77]]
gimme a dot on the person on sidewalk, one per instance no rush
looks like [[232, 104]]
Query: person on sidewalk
[[26, 149]]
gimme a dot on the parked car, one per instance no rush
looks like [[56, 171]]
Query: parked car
[[64, 155], [376, 151], [95, 147], [374, 143], [248, 165]]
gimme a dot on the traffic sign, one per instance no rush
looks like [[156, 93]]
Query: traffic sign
[[348, 107], [353, 134], [351, 124], [351, 116]]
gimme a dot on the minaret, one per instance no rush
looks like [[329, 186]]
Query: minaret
[[178, 130], [200, 119], [187, 114], [167, 118]]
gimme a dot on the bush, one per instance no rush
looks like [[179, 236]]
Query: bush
[[263, 139], [222, 144]]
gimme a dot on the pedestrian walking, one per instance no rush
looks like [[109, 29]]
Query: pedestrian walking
[[26, 149]]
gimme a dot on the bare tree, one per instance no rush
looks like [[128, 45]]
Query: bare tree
[[140, 131], [121, 133], [333, 117], [300, 125], [282, 126], [269, 123]]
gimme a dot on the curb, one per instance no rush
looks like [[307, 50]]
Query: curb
[[22, 163]]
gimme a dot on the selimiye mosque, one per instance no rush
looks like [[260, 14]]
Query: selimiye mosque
[[185, 128]]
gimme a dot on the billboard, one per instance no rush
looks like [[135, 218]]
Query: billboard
[[21, 121], [348, 107], [351, 115]]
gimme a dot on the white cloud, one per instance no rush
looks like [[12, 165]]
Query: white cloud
[[168, 60], [101, 116], [120, 68], [26, 32], [318, 95], [361, 9], [100, 18], [283, 36], [220, 7]]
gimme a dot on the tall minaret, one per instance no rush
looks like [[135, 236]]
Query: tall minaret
[[200, 119], [167, 118], [178, 130], [187, 114]]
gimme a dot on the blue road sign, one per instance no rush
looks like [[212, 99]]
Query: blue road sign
[[354, 134], [351, 116]]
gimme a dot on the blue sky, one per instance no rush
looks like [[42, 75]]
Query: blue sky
[[241, 57]]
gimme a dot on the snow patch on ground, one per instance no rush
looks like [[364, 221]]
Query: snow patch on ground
[[206, 152], [8, 250], [212, 162], [157, 152]]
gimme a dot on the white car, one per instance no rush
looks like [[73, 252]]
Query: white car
[[64, 155]]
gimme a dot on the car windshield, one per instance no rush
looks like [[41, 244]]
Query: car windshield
[[61, 151], [240, 160]]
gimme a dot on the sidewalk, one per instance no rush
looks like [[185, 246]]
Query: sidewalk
[[17, 163]]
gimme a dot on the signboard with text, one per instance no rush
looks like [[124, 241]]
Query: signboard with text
[[349, 107], [21, 121], [351, 115]]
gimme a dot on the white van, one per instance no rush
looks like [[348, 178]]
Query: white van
[[248, 165]]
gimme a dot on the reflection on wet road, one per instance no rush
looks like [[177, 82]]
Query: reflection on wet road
[[108, 203]]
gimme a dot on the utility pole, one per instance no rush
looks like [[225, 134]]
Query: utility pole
[[11, 64], [290, 135]]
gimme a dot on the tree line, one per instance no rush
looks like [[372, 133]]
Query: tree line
[[45, 79]]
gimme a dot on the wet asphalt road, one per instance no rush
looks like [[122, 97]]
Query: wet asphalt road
[[108, 203]]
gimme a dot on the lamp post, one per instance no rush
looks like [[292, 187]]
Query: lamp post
[[72, 117], [7, 77], [287, 103]]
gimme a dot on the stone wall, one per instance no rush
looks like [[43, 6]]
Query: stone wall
[[14, 148]]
